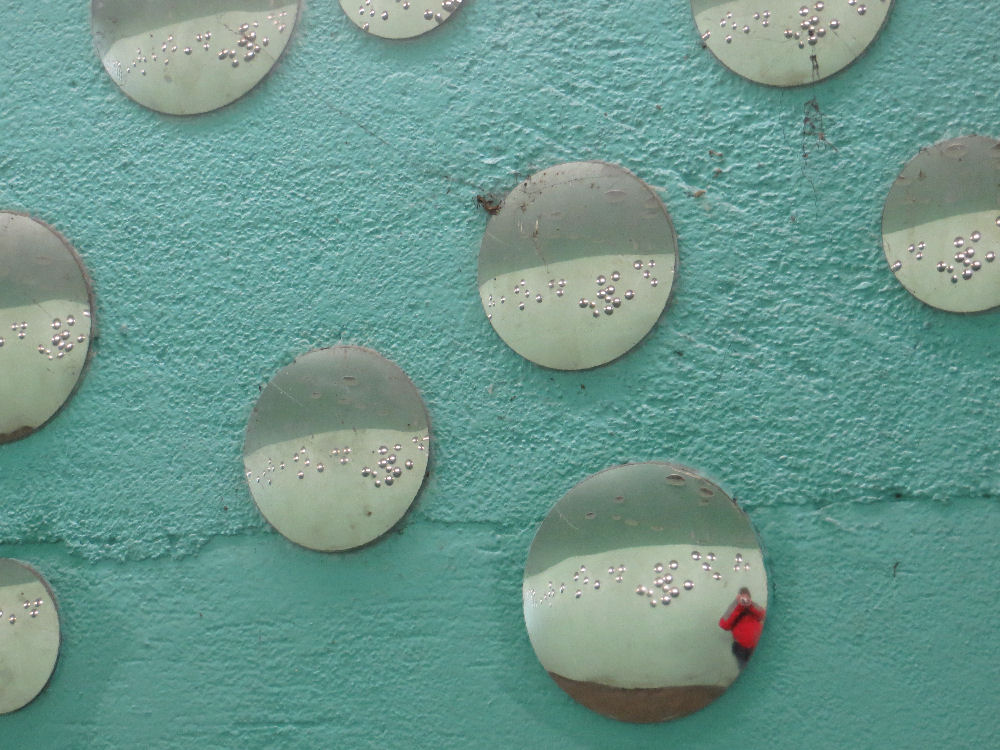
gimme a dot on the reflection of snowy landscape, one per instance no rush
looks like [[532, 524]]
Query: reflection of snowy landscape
[[43, 348], [950, 262], [201, 63], [791, 42], [337, 489], [393, 19], [589, 310], [641, 617]]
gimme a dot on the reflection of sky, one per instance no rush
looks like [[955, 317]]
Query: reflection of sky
[[117, 19], [36, 266], [343, 388], [935, 185], [573, 211], [634, 506], [13, 576], [613, 636]]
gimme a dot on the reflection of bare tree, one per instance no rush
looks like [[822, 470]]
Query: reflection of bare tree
[[746, 621]]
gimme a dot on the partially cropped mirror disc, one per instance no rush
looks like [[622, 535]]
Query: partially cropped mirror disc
[[788, 42], [45, 329], [184, 57], [645, 592], [29, 636], [941, 225], [399, 19], [577, 264], [336, 448]]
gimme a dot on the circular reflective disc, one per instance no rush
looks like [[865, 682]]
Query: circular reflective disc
[[577, 264], [45, 323], [183, 57], [399, 19], [29, 638], [788, 42], [941, 225], [645, 592], [336, 448]]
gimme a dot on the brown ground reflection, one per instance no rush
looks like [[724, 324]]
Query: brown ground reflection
[[640, 705]]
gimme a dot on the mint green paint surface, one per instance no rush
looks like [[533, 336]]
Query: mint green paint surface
[[336, 203]]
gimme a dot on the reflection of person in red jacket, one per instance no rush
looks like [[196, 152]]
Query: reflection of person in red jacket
[[746, 620]]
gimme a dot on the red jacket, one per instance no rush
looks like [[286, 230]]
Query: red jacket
[[745, 622]]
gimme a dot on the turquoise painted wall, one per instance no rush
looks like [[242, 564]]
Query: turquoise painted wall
[[336, 203]]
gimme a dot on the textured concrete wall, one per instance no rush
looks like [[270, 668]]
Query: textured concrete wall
[[337, 203]]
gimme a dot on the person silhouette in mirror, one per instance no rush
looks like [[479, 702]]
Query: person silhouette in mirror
[[746, 620]]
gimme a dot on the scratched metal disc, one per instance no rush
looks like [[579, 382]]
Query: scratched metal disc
[[45, 324], [29, 634], [577, 264], [941, 225], [632, 592], [336, 448]]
